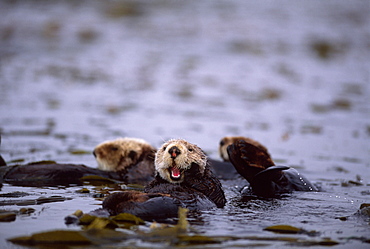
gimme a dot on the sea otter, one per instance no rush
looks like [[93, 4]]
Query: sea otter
[[226, 141], [224, 169], [183, 179], [253, 162], [132, 158], [130, 161]]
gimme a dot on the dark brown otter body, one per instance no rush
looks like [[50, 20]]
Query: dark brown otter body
[[183, 179], [66, 174], [266, 180], [2, 161], [224, 169], [204, 185], [128, 160]]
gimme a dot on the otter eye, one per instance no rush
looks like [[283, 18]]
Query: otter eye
[[164, 148], [132, 155], [190, 149], [222, 143]]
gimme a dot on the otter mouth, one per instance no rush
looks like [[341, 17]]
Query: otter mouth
[[175, 173]]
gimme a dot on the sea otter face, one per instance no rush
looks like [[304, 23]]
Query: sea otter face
[[222, 149], [175, 157], [117, 154], [226, 141]]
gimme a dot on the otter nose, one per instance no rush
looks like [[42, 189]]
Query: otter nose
[[174, 152], [94, 153]]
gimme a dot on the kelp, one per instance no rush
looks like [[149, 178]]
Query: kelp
[[7, 216], [102, 230], [287, 229], [38, 201], [180, 228], [53, 237]]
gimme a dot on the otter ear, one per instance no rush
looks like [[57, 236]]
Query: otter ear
[[132, 154]]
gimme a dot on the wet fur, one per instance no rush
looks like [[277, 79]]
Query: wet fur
[[131, 158], [253, 162], [198, 188], [128, 160], [197, 175], [226, 141], [118, 154]]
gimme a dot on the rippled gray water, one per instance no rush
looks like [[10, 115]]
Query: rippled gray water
[[293, 75]]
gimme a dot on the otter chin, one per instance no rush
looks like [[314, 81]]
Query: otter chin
[[175, 157]]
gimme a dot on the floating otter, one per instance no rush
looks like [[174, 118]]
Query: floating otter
[[224, 169], [183, 179], [130, 161], [253, 162], [226, 141], [131, 158]]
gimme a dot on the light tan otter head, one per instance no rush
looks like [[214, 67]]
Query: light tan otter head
[[175, 157], [226, 141], [116, 155]]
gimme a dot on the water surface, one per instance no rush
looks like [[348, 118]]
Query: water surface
[[292, 75]]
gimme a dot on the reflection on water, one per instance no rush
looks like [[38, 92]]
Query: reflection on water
[[293, 76]]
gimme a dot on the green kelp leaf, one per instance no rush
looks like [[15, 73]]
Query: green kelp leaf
[[87, 219], [53, 237], [7, 216], [138, 187], [21, 240], [43, 162], [21, 160], [200, 239], [78, 213], [79, 152], [284, 229], [39, 201], [183, 223], [118, 9], [102, 223], [26, 210], [172, 232], [56, 198], [328, 242], [83, 191], [130, 218]]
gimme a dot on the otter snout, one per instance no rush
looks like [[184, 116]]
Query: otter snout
[[174, 152]]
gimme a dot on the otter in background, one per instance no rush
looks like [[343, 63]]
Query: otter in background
[[131, 158], [224, 169], [253, 162], [128, 160]]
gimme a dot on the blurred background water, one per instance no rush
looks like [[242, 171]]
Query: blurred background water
[[293, 75]]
